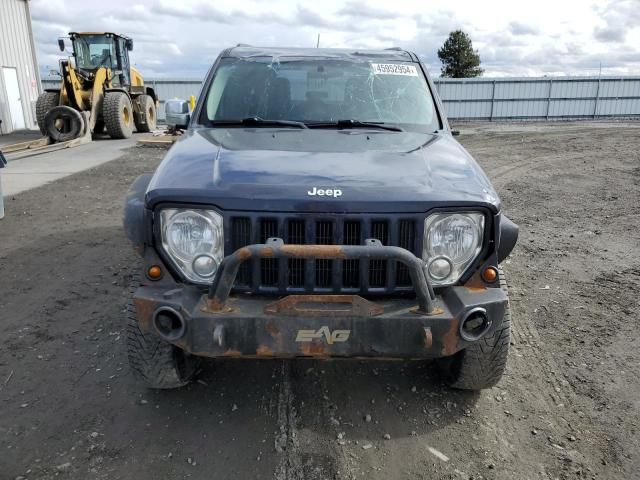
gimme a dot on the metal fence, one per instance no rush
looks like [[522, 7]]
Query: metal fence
[[540, 98], [536, 98]]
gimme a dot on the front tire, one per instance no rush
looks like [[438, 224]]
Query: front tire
[[154, 362], [148, 114], [482, 364], [117, 114]]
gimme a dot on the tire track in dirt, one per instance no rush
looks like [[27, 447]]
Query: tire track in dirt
[[501, 175], [286, 442], [530, 341], [305, 437]]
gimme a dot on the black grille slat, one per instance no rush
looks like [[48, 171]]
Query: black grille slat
[[240, 237], [324, 236], [268, 266], [378, 268], [296, 265], [351, 268], [295, 275], [407, 240]]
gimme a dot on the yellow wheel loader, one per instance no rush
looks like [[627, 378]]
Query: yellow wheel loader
[[99, 90]]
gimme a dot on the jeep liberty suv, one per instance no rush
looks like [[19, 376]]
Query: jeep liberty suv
[[317, 206]]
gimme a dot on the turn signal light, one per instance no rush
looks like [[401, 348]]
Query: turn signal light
[[490, 275], [154, 272]]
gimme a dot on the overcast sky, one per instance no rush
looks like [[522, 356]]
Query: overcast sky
[[181, 38]]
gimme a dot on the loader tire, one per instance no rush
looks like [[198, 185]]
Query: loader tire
[[482, 363], [154, 362], [45, 102], [63, 123], [148, 113], [117, 114]]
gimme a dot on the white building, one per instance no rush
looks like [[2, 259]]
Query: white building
[[19, 76]]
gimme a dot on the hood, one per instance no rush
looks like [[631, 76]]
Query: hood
[[332, 171]]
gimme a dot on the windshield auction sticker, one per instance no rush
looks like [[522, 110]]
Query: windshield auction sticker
[[394, 69]]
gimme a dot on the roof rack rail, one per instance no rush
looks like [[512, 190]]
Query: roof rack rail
[[397, 49], [243, 45]]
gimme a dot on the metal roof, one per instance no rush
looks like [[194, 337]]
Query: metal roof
[[71, 34]]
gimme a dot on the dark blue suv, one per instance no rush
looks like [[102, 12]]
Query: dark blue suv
[[317, 206]]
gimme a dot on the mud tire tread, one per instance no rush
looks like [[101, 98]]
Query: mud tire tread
[[112, 107], [149, 125], [482, 364], [153, 361], [45, 102]]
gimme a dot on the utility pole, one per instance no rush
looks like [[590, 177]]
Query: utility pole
[[595, 102]]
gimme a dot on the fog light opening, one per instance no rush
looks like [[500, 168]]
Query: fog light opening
[[169, 323], [440, 268], [475, 324], [205, 265]]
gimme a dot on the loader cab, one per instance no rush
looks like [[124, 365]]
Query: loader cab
[[94, 50]]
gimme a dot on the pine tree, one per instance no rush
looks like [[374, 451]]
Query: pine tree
[[458, 58]]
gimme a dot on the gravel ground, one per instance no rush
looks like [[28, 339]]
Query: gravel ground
[[568, 406]]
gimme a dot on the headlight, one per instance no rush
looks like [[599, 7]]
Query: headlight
[[194, 241], [451, 243]]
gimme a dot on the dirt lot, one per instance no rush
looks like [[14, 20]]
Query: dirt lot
[[569, 406]]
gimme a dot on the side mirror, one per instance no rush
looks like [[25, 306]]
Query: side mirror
[[176, 113], [455, 133], [128, 44], [61, 44]]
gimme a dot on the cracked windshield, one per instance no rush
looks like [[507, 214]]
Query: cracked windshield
[[317, 90]]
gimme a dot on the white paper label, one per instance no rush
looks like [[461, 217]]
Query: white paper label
[[394, 69]]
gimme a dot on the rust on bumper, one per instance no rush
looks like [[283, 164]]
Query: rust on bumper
[[327, 305], [258, 327], [275, 248], [218, 324]]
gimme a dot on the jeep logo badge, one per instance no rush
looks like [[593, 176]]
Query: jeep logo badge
[[325, 192], [330, 337]]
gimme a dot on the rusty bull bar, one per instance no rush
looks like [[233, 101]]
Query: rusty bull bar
[[275, 248]]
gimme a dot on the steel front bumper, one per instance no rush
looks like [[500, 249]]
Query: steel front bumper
[[218, 324]]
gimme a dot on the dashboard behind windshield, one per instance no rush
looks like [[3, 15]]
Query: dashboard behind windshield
[[316, 90]]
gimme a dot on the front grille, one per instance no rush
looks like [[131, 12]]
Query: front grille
[[324, 236], [296, 265], [378, 268], [295, 275], [406, 239], [241, 236], [351, 268]]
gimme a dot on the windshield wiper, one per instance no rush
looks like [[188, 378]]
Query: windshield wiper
[[355, 124], [257, 122]]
